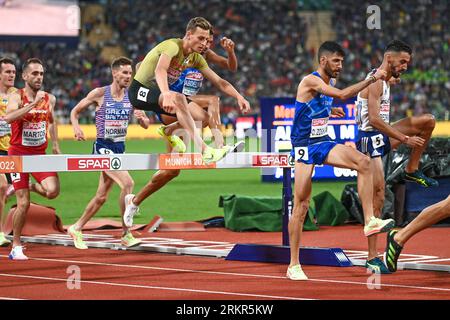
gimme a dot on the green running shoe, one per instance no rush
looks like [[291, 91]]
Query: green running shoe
[[392, 252], [419, 178], [377, 266], [3, 241], [129, 241], [77, 237], [175, 141]]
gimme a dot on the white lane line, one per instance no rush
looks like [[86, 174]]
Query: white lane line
[[155, 287], [229, 273]]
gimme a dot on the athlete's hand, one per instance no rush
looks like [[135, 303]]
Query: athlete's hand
[[227, 44], [55, 149], [415, 141], [39, 96], [244, 105], [394, 81], [337, 112], [380, 74], [79, 135], [168, 103], [139, 115]]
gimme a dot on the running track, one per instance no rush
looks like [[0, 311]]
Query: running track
[[109, 274]]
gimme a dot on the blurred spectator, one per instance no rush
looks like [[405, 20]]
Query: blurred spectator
[[270, 39]]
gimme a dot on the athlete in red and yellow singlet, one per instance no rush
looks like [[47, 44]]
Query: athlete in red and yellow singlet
[[30, 113]]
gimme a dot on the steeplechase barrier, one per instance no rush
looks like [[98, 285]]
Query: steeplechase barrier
[[177, 161]]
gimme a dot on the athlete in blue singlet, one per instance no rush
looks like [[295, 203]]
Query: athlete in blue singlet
[[312, 145], [112, 115]]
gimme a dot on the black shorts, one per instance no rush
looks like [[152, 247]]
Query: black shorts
[[8, 176], [145, 98]]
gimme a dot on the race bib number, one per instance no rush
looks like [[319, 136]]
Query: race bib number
[[301, 153], [192, 83], [385, 108], [34, 134], [15, 177], [142, 94], [5, 128], [105, 151], [377, 141], [319, 127]]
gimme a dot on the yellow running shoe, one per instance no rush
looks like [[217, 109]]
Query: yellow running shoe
[[129, 241], [175, 141], [210, 155], [376, 225], [3, 241], [296, 273], [77, 237]]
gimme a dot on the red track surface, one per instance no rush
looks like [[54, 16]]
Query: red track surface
[[109, 274]]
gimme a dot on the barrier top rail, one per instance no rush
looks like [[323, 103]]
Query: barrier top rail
[[130, 161]]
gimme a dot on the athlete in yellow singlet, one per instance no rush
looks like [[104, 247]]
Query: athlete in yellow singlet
[[7, 78]]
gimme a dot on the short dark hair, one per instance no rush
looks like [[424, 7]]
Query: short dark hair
[[199, 22], [398, 46], [121, 61], [30, 61], [330, 47], [6, 60]]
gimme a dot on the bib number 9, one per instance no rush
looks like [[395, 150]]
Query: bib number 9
[[301, 153]]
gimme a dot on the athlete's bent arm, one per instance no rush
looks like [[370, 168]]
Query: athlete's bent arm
[[161, 80], [229, 63], [318, 85], [53, 126], [13, 110], [226, 87], [93, 97], [142, 118]]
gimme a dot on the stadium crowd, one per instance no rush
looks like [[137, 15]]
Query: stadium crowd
[[270, 39]]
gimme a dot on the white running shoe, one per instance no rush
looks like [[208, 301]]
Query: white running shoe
[[130, 210], [17, 254], [296, 273]]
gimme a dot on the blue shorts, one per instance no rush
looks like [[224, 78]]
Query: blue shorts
[[102, 146], [315, 153], [373, 143]]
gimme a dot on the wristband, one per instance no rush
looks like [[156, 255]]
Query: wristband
[[405, 140]]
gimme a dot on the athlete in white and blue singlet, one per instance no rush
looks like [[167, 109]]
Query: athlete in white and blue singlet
[[376, 136], [112, 115], [312, 145]]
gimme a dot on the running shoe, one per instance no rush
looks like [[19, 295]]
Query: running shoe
[[129, 241], [130, 210], [377, 225], [393, 250], [238, 146], [419, 178], [377, 266], [77, 237], [3, 241], [17, 254], [175, 141], [213, 155], [296, 273]]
